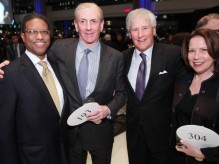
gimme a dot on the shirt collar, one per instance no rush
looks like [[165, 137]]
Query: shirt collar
[[147, 52], [83, 46], [34, 58]]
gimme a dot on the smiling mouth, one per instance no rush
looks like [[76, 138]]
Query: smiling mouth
[[40, 43], [197, 63], [143, 40]]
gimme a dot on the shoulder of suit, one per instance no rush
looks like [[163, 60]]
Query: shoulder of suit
[[109, 49], [128, 51], [65, 41], [14, 67]]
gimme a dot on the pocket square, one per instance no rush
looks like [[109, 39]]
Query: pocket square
[[163, 72]]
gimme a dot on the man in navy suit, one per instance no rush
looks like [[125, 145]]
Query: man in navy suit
[[149, 97], [32, 129]]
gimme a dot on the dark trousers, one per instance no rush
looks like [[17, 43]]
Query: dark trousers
[[102, 156], [141, 154], [78, 155]]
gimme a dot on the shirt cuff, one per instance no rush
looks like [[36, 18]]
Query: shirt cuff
[[109, 115]]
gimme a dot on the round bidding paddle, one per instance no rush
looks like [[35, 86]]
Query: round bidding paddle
[[79, 115], [198, 136]]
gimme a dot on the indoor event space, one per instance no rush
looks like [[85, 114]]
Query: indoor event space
[[109, 81]]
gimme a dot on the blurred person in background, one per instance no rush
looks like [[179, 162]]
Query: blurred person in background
[[178, 38], [107, 39], [15, 49], [120, 42], [210, 21]]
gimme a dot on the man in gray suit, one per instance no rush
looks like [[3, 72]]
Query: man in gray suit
[[105, 85]]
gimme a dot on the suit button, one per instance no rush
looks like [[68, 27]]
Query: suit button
[[196, 108], [203, 91], [180, 94]]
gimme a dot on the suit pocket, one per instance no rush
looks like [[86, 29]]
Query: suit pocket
[[33, 154]]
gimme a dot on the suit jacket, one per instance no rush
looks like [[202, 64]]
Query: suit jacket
[[32, 130], [153, 112], [205, 113], [109, 90], [10, 52]]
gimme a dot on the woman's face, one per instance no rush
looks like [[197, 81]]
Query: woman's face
[[199, 59]]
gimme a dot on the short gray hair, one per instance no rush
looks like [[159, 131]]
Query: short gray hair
[[144, 13], [88, 5]]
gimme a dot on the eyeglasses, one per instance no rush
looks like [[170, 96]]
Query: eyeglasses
[[36, 32]]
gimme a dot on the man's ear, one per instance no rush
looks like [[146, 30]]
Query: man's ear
[[129, 35], [76, 25], [22, 36]]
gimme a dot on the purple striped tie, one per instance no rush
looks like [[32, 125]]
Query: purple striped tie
[[140, 82], [83, 73]]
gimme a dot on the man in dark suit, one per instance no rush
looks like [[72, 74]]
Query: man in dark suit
[[151, 69], [15, 49], [32, 129], [105, 85]]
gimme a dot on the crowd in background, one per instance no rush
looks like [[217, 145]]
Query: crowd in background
[[119, 40]]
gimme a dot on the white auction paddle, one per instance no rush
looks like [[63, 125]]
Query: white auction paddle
[[79, 115], [198, 136]]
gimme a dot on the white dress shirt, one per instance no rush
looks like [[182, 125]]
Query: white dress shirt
[[39, 68], [136, 61], [93, 67]]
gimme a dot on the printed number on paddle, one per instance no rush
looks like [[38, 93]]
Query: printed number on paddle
[[83, 114], [197, 137]]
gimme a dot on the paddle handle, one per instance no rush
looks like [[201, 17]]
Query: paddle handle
[[97, 122], [199, 159]]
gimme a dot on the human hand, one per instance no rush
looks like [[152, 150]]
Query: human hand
[[190, 150], [98, 115], [6, 62]]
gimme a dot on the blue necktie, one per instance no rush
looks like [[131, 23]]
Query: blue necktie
[[83, 73], [140, 82]]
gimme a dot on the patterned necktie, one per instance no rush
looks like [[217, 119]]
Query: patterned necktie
[[50, 84], [83, 73], [140, 82]]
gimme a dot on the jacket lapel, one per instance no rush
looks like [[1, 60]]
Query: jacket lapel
[[156, 67], [128, 62], [55, 69], [70, 56], [35, 79], [103, 63]]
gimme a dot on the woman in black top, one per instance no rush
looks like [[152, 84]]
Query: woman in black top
[[196, 94]]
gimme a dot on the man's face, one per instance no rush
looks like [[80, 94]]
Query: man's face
[[14, 39], [36, 37], [89, 25], [142, 33]]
